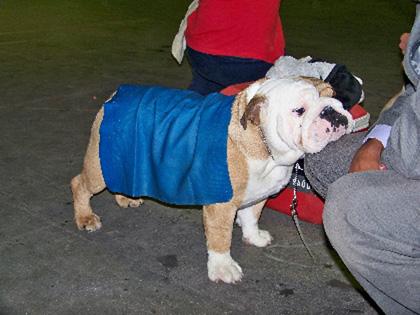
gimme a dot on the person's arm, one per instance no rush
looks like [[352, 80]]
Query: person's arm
[[368, 157], [391, 113], [403, 149], [397, 120]]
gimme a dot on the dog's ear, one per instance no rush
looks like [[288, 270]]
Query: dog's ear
[[252, 111], [252, 89]]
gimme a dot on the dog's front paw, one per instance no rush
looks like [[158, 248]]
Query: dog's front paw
[[259, 238], [221, 267], [89, 223]]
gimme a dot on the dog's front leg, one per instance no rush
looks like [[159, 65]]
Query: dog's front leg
[[218, 225], [248, 219]]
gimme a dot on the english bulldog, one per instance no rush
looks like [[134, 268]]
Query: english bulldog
[[272, 124]]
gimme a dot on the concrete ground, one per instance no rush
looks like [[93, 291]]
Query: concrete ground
[[59, 60]]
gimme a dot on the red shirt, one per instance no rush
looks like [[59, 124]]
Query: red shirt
[[240, 28]]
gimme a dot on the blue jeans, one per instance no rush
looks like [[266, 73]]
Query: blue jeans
[[211, 73]]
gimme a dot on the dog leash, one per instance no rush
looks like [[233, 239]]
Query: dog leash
[[293, 204], [294, 214]]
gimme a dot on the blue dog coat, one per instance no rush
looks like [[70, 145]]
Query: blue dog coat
[[166, 144]]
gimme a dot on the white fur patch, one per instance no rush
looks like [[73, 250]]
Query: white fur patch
[[251, 234], [222, 267], [265, 178], [291, 125]]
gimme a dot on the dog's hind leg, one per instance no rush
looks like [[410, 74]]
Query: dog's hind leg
[[83, 214], [248, 219], [89, 182], [218, 225], [125, 202]]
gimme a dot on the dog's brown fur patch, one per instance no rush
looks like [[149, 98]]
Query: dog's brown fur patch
[[323, 88], [242, 144], [252, 111], [248, 140]]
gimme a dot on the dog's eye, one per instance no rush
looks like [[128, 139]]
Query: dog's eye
[[299, 111]]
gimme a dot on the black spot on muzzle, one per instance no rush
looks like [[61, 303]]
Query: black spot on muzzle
[[335, 118]]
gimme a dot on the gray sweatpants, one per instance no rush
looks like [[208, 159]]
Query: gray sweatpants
[[373, 221]]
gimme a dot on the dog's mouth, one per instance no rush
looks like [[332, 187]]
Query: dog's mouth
[[328, 126]]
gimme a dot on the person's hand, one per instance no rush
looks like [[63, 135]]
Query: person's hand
[[368, 157], [404, 41]]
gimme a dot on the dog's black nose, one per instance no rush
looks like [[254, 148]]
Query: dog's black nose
[[335, 118]]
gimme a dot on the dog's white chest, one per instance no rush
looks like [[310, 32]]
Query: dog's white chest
[[265, 179]]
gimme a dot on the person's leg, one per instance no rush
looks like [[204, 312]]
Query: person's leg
[[234, 70], [213, 73], [323, 168], [372, 219], [202, 66], [201, 84]]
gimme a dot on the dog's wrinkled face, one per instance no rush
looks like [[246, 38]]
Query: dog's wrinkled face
[[293, 116], [324, 123]]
